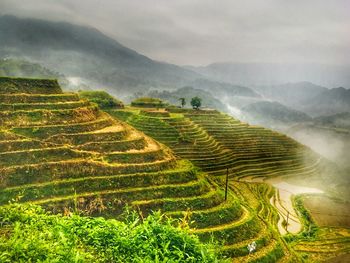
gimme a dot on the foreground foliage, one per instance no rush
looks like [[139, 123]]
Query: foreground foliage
[[102, 99], [29, 234]]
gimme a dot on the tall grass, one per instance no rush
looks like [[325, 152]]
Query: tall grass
[[29, 234]]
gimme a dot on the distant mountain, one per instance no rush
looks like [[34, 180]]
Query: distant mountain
[[325, 139], [340, 120], [291, 94], [224, 89], [251, 74], [273, 114], [329, 102], [310, 98], [27, 69], [84, 52], [23, 68]]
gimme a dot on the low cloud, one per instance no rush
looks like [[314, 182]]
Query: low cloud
[[206, 31]]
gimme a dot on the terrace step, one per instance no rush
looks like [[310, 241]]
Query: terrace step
[[52, 130], [43, 106], [35, 156], [38, 98], [136, 156], [204, 201], [136, 143], [132, 193], [20, 145], [113, 132], [246, 216], [217, 215], [74, 168], [9, 136], [45, 117]]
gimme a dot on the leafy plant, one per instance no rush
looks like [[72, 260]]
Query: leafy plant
[[29, 234], [196, 102], [102, 99], [148, 102]]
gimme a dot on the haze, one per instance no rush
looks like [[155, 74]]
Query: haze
[[200, 32]]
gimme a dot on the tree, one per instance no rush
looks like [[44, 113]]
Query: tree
[[183, 102], [196, 102]]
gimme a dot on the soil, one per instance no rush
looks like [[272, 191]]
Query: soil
[[327, 211]]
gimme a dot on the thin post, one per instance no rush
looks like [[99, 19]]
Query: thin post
[[226, 187]]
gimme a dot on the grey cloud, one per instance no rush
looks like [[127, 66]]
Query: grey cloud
[[205, 31]]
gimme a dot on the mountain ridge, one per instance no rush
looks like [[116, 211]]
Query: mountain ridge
[[252, 74], [85, 52]]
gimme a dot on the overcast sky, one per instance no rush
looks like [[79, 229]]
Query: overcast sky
[[199, 32]]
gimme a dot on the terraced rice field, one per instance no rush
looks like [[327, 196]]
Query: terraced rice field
[[331, 240], [217, 143], [191, 139], [65, 154]]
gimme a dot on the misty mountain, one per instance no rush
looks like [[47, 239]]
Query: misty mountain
[[340, 120], [329, 102], [273, 114], [288, 84], [84, 52], [291, 94], [224, 89], [252, 74], [23, 68], [330, 142], [27, 69], [83, 55], [310, 98]]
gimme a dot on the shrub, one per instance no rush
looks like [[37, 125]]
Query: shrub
[[196, 102], [29, 234], [148, 102], [102, 99]]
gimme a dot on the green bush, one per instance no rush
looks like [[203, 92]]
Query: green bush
[[29, 234], [196, 102], [148, 102], [102, 99]]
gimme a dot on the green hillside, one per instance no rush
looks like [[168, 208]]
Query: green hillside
[[217, 144], [62, 152], [214, 142]]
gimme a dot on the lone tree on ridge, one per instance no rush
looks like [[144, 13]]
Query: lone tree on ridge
[[183, 102], [196, 102]]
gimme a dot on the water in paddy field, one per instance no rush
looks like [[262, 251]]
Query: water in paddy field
[[282, 200], [296, 189]]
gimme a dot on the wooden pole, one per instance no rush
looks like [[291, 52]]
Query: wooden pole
[[226, 187]]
